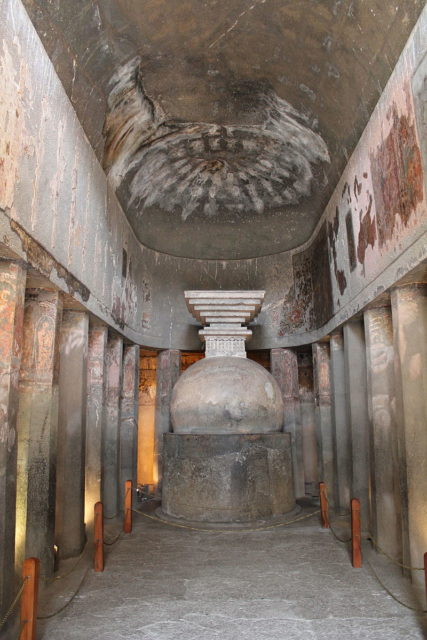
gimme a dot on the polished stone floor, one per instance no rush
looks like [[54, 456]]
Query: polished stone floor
[[292, 582]]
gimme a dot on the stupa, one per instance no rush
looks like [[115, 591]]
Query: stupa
[[227, 459]]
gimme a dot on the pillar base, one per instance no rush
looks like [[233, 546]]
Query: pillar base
[[227, 478]]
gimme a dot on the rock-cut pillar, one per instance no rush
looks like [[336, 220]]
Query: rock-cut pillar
[[284, 368], [70, 530], [409, 311], [357, 412], [110, 441], [95, 413], [129, 419], [341, 428], [323, 413], [385, 498], [12, 292], [308, 421], [37, 429], [168, 370]]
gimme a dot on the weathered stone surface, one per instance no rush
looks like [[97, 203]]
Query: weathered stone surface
[[226, 395], [70, 503], [168, 370], [409, 309], [323, 414], [284, 369], [95, 416], [37, 429], [341, 428], [128, 419], [12, 291], [227, 478], [110, 440]]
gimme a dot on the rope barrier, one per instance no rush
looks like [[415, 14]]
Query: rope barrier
[[116, 515], [184, 526], [65, 575], [110, 543], [356, 508], [55, 613], [13, 605], [186, 504], [407, 606], [343, 540], [146, 499], [396, 562]]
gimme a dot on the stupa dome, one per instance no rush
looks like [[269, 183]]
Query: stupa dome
[[226, 395]]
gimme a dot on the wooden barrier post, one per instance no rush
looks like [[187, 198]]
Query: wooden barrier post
[[98, 560], [356, 537], [30, 575], [323, 505], [127, 520]]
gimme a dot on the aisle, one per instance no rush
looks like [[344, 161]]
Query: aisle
[[289, 583]]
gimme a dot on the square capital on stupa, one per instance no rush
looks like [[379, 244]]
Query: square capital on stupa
[[224, 315]]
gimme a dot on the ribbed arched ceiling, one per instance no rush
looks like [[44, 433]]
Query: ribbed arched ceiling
[[224, 126]]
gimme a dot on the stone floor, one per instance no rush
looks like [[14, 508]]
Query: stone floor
[[292, 582]]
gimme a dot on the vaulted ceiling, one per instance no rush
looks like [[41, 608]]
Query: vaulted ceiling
[[223, 126]]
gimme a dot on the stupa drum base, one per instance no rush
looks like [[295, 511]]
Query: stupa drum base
[[227, 477]]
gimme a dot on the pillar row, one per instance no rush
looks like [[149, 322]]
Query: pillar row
[[37, 429], [12, 292], [284, 368], [70, 530]]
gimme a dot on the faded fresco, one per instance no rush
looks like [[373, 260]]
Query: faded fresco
[[203, 171], [379, 207], [312, 282]]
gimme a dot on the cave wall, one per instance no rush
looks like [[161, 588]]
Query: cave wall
[[58, 214]]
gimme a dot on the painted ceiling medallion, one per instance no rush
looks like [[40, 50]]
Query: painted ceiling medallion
[[207, 170]]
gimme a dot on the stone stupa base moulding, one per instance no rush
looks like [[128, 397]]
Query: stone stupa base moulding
[[228, 460]]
